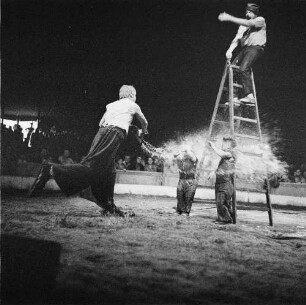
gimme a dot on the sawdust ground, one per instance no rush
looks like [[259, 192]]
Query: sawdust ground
[[158, 257]]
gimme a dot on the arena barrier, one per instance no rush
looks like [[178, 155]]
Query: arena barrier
[[164, 184]]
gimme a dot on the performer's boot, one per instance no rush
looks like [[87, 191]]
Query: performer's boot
[[113, 209], [41, 180], [109, 192]]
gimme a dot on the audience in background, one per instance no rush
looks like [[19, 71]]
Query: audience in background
[[119, 164], [150, 167], [285, 178], [159, 163], [303, 178], [298, 176], [140, 164], [127, 163], [49, 145]]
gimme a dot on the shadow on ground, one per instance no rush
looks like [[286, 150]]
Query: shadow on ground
[[29, 269]]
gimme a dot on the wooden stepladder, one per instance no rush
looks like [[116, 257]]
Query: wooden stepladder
[[240, 120]]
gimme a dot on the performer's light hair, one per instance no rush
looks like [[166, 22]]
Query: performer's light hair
[[127, 91]]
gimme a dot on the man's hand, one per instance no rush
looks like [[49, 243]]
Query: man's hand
[[224, 17], [228, 54], [141, 133], [210, 143]]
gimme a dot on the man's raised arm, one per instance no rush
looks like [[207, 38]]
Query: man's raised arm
[[240, 21], [221, 153]]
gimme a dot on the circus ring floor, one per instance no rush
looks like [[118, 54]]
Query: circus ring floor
[[59, 250]]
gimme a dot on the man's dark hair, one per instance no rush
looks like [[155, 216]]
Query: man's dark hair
[[253, 7]]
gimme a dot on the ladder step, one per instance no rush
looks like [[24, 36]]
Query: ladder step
[[246, 136], [245, 119], [248, 104], [234, 85], [235, 67], [237, 85], [223, 106], [221, 122]]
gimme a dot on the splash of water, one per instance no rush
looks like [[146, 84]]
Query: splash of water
[[254, 160]]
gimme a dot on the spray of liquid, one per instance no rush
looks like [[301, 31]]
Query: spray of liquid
[[254, 160]]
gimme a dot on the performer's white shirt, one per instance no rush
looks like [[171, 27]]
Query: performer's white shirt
[[120, 113], [255, 34]]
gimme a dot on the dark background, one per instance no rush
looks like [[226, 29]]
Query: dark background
[[71, 57]]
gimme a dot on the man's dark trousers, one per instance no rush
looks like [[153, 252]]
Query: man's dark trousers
[[245, 60], [97, 169]]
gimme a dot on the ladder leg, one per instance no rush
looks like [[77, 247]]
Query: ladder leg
[[213, 119], [238, 122], [231, 101], [218, 100], [269, 206], [234, 203], [256, 106]]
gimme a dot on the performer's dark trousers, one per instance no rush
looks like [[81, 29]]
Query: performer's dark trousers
[[245, 60], [224, 192], [97, 170], [186, 189]]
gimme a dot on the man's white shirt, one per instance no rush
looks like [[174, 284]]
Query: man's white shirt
[[120, 113], [256, 35]]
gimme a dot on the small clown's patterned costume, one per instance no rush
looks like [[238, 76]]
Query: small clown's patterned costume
[[187, 185], [224, 187]]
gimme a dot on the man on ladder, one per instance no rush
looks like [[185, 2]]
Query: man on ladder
[[252, 36]]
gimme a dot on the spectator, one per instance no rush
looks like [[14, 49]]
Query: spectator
[[120, 165], [140, 165], [18, 135], [303, 179], [29, 135], [127, 162], [298, 176], [65, 158], [285, 178], [150, 167], [291, 172], [37, 138], [17, 139], [159, 163]]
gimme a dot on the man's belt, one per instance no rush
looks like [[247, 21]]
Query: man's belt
[[187, 176], [113, 126]]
